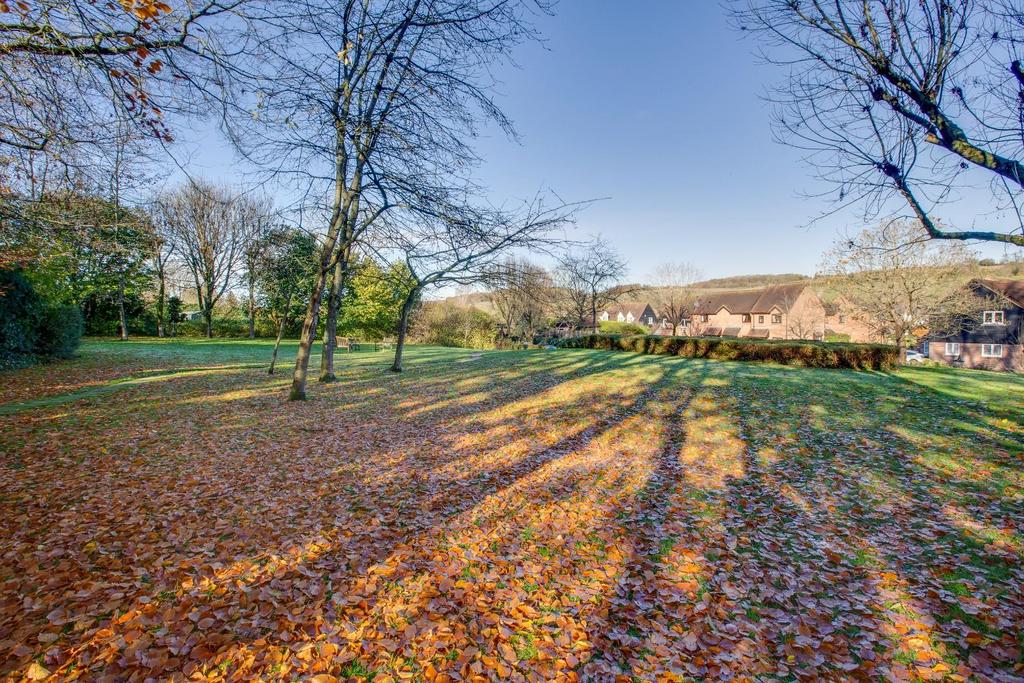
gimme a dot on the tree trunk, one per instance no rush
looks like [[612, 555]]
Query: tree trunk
[[331, 323], [403, 328], [280, 331], [306, 338], [252, 313], [208, 317], [160, 308], [120, 306]]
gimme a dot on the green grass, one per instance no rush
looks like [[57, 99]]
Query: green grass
[[535, 505]]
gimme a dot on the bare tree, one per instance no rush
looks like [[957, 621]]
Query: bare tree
[[463, 245], [256, 216], [358, 103], [210, 238], [589, 278], [901, 281], [674, 297], [162, 251], [522, 294], [906, 100]]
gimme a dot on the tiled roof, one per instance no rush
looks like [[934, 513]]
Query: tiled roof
[[750, 301], [1011, 289], [636, 309]]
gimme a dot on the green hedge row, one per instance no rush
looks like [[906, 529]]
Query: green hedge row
[[804, 353]]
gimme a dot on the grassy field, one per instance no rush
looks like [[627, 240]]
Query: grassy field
[[528, 515]]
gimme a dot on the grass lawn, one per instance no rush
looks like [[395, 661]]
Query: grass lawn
[[527, 515]]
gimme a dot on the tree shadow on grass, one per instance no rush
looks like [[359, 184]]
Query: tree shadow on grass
[[255, 545], [946, 572], [369, 543], [725, 577]]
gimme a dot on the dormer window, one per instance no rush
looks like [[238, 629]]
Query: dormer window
[[994, 318]]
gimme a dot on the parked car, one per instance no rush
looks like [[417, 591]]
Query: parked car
[[915, 357]]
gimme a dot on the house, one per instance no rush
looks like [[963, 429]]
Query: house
[[639, 314], [792, 311], [993, 342], [844, 321]]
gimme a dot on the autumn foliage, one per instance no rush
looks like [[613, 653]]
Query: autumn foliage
[[525, 516]]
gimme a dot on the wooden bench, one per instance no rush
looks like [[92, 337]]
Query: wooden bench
[[344, 343]]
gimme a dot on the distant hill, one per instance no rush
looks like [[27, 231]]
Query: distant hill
[[478, 300], [997, 270], [643, 293], [750, 281]]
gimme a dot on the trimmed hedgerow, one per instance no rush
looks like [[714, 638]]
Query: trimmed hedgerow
[[804, 353]]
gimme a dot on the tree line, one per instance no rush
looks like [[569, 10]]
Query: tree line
[[363, 116]]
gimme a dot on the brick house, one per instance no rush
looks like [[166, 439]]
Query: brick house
[[995, 341], [847, 322], [792, 311]]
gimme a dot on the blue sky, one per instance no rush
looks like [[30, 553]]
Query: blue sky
[[657, 106]]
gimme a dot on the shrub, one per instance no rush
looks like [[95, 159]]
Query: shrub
[[30, 328], [224, 328], [59, 331], [803, 353], [102, 315], [19, 315], [615, 327], [445, 325]]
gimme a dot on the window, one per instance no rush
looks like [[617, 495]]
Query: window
[[704, 318], [760, 320], [952, 349], [842, 318], [994, 318], [746, 317], [776, 319], [992, 350]]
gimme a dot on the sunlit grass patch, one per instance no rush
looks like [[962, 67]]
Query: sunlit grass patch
[[525, 515]]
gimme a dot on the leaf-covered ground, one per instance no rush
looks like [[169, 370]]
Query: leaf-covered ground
[[565, 515]]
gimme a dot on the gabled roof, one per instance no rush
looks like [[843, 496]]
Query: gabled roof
[[1011, 289], [636, 309], [761, 300]]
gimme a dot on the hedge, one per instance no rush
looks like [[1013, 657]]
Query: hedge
[[59, 331], [804, 353], [31, 328], [620, 328]]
